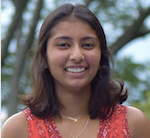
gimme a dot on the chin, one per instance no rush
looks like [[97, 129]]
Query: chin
[[78, 86]]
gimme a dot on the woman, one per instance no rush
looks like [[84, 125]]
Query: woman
[[74, 96]]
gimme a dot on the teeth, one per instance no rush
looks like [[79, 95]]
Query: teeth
[[75, 70]]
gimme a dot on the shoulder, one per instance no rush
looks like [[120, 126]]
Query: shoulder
[[139, 125], [15, 127]]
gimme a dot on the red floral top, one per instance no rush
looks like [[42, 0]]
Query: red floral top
[[115, 126]]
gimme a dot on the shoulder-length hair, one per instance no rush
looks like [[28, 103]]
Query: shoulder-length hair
[[43, 101]]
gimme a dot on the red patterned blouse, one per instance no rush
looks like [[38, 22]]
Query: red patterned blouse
[[115, 126]]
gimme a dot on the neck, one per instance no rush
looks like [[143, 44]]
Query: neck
[[74, 103]]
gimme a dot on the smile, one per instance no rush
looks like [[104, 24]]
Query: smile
[[75, 70]]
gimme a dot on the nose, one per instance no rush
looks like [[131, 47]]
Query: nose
[[77, 55]]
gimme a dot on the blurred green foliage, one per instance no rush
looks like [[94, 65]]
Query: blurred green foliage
[[143, 105], [137, 81]]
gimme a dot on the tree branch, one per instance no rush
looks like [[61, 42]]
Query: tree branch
[[131, 33], [87, 2], [19, 3], [142, 32], [12, 28], [20, 58]]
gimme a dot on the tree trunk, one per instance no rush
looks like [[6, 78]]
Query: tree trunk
[[20, 58], [15, 22]]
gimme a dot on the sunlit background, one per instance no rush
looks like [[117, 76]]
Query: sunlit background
[[20, 24]]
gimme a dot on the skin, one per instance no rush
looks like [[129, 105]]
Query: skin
[[73, 47], [75, 89]]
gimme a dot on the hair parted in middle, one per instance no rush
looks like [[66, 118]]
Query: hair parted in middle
[[105, 93]]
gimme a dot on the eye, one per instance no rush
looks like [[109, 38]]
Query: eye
[[63, 45], [87, 46]]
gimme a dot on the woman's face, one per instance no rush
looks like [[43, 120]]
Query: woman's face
[[73, 54]]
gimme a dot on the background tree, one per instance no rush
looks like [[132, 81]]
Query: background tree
[[136, 81], [123, 22]]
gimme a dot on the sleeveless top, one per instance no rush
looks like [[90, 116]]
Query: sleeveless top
[[116, 126]]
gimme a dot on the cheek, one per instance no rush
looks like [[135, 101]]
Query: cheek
[[94, 59], [56, 58]]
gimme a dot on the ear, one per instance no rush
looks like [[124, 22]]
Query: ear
[[46, 66]]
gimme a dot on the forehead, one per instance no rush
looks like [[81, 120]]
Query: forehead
[[72, 25]]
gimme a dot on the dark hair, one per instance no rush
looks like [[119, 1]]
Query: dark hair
[[43, 101]]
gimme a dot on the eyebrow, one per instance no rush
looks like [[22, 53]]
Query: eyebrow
[[89, 37], [69, 38], [63, 37]]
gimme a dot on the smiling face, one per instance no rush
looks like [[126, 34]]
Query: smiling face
[[73, 54]]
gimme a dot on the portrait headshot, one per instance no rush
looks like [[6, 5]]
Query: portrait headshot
[[67, 70]]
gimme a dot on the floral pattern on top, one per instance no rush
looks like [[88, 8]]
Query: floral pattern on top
[[116, 126]]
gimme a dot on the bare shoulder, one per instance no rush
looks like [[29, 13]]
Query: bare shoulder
[[15, 127], [139, 124]]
